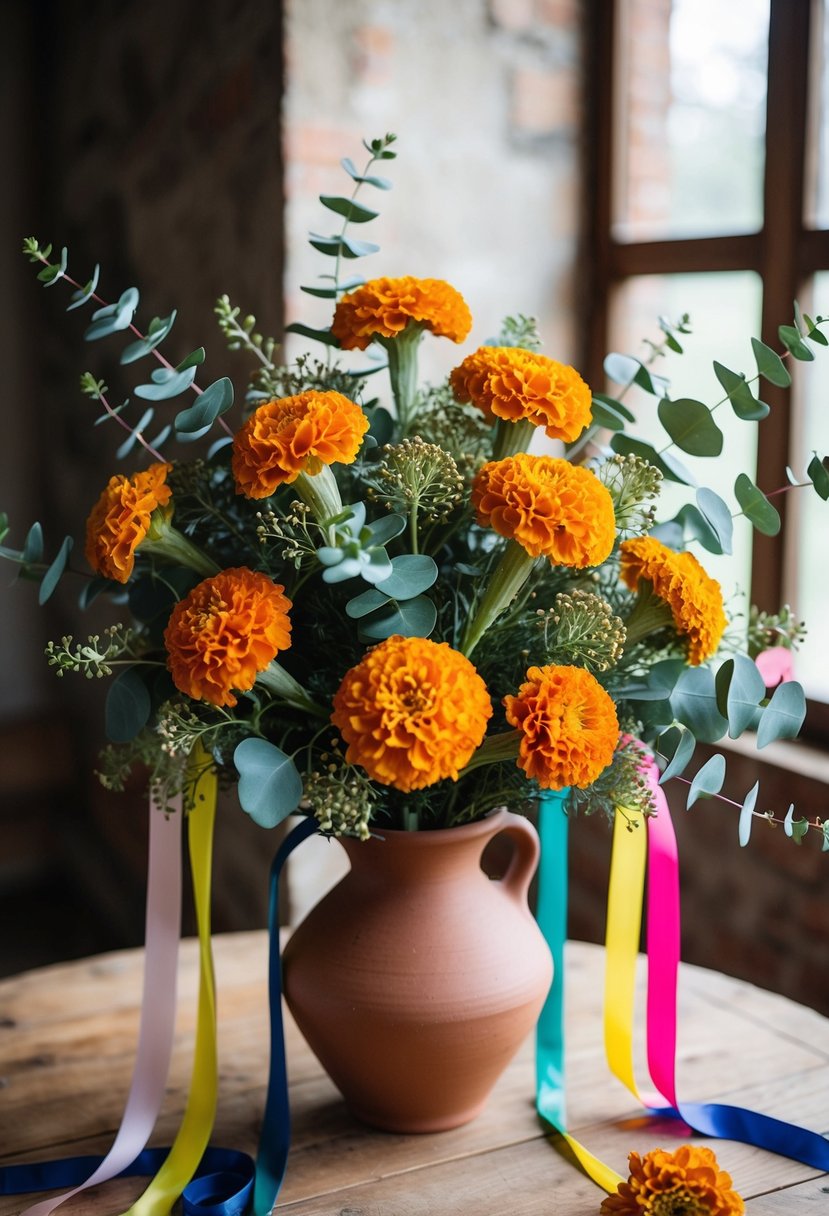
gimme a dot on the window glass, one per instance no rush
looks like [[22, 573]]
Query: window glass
[[693, 80], [725, 313], [808, 581]]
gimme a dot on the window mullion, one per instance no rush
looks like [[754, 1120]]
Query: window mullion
[[780, 256]]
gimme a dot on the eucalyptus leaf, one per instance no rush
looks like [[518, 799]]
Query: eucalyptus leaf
[[615, 406], [386, 528], [677, 745], [783, 716], [365, 603], [270, 787], [756, 507], [718, 516], [53, 575], [194, 359], [671, 468], [747, 815], [694, 703], [381, 183], [113, 317], [770, 365], [216, 399], [787, 822], [606, 416], [128, 706], [33, 545], [381, 425], [794, 344], [354, 213], [708, 781], [696, 527], [743, 402], [691, 426], [85, 294], [744, 689], [412, 619], [411, 574], [819, 475], [131, 439], [317, 335], [158, 331], [165, 386]]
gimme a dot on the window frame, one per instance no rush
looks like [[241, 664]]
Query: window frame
[[785, 253]]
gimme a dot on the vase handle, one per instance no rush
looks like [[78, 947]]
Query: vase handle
[[523, 863]]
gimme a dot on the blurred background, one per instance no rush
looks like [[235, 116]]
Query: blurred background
[[593, 163]]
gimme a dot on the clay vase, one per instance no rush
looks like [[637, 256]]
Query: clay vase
[[416, 979]]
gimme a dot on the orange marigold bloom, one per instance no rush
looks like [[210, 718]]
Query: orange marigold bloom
[[120, 520], [412, 712], [695, 599], [511, 383], [383, 308], [549, 506], [662, 1184], [225, 632], [294, 435], [568, 726]]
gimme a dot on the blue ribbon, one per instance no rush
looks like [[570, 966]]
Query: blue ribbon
[[225, 1179]]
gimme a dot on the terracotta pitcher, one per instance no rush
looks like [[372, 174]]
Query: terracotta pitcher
[[417, 977]]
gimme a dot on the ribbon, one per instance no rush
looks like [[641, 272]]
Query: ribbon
[[275, 1139], [200, 1111], [710, 1119], [551, 914], [223, 1182], [155, 1035]]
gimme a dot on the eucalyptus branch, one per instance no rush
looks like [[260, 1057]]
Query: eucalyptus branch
[[35, 254], [97, 390]]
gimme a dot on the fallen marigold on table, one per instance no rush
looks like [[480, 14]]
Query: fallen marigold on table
[[686, 1182]]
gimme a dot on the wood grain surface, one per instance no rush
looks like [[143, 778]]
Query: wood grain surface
[[68, 1036]]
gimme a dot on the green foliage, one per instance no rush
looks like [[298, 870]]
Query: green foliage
[[270, 786], [708, 781], [128, 706], [766, 629], [756, 507]]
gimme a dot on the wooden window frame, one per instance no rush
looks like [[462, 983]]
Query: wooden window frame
[[785, 253]]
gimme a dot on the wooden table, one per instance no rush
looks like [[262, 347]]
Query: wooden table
[[67, 1038]]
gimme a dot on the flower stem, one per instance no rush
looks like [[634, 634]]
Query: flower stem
[[494, 750], [163, 540], [509, 577], [283, 685], [648, 615], [402, 352], [321, 493], [511, 437]]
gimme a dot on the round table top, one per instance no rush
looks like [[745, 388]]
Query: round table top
[[67, 1043]]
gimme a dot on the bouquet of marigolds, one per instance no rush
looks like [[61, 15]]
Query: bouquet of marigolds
[[409, 616]]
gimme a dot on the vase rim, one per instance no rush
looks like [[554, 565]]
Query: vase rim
[[465, 831]]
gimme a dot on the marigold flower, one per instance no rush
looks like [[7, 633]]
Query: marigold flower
[[412, 712], [120, 520], [511, 383], [294, 435], [568, 726], [549, 506], [661, 1183], [227, 630], [694, 598], [383, 308]]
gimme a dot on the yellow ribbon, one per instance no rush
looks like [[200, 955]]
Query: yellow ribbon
[[624, 924], [200, 1112]]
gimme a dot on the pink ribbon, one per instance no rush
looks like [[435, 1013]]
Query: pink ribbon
[[158, 1006]]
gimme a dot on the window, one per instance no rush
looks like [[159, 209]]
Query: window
[[710, 194]]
